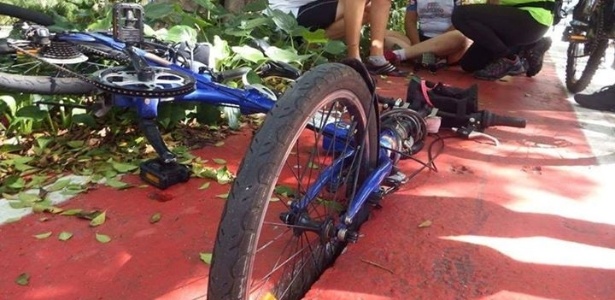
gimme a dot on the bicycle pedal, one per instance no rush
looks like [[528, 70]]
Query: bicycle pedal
[[163, 175], [128, 22]]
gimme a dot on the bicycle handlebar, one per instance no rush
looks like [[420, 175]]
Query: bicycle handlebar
[[489, 119]]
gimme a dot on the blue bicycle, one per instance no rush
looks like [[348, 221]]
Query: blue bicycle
[[325, 155]]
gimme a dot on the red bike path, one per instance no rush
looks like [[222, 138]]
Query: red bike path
[[532, 218]]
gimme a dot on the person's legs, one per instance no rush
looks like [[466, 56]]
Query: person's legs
[[378, 20], [451, 44], [497, 30]]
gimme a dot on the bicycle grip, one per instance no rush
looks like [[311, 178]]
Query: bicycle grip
[[491, 119]]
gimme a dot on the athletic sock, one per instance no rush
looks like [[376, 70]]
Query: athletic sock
[[377, 60], [401, 54]]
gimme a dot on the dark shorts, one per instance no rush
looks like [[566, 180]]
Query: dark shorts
[[319, 14]]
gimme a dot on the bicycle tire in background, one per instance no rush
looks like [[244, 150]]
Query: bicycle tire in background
[[25, 14], [43, 85], [575, 83], [250, 211]]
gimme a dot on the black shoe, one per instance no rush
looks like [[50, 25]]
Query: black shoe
[[387, 70], [601, 100], [535, 54], [500, 68]]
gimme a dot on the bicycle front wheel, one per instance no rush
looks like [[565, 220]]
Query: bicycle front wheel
[[586, 49], [278, 229]]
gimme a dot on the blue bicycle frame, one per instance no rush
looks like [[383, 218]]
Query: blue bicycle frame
[[249, 101]]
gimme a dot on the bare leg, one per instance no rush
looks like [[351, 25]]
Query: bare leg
[[394, 38], [379, 17], [452, 42], [353, 20]]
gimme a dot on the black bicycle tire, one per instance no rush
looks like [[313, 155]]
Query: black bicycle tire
[[25, 14], [593, 63], [250, 192], [44, 85]]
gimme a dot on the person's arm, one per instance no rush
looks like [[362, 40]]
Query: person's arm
[[411, 26]]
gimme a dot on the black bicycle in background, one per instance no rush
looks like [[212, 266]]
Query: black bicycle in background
[[588, 35]]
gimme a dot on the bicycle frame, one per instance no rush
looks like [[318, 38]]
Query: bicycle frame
[[249, 101]]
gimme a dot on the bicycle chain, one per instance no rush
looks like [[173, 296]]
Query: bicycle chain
[[186, 89], [118, 56]]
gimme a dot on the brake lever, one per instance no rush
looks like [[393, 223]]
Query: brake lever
[[469, 133]]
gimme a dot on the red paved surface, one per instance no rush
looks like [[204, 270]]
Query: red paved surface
[[526, 220]]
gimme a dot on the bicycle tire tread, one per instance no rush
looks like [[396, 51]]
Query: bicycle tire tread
[[44, 85], [230, 243], [593, 63], [25, 14]]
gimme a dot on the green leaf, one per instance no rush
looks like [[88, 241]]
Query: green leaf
[[71, 212], [315, 37], [206, 257], [85, 119], [31, 112], [117, 184], [284, 191], [75, 144], [182, 33], [99, 220], [219, 161], [284, 21], [19, 204], [224, 176], [123, 167], [58, 185], [41, 236], [158, 10], [335, 47], [43, 141], [155, 218], [10, 103], [249, 53], [15, 182], [285, 55], [28, 198], [103, 238], [23, 279], [65, 236]]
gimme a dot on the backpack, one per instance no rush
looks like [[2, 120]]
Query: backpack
[[554, 6]]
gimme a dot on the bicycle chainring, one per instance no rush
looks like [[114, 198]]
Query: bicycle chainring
[[162, 83]]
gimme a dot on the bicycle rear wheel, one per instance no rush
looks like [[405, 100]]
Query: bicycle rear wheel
[[269, 243], [586, 49]]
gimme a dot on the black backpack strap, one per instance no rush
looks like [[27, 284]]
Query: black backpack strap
[[548, 5]]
